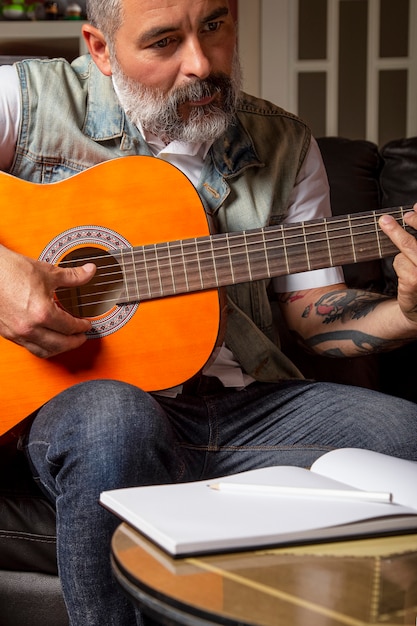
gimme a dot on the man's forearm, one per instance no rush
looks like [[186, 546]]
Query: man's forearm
[[355, 322]]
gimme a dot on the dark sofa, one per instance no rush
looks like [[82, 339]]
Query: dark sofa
[[362, 178]]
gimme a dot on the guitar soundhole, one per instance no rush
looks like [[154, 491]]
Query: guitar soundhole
[[101, 294]]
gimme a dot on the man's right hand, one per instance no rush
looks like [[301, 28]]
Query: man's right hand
[[29, 313]]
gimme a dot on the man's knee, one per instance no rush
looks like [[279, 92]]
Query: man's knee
[[96, 410]]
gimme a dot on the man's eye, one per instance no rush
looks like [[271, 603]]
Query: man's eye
[[213, 26], [163, 43]]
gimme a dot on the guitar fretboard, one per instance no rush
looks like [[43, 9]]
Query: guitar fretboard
[[190, 265]]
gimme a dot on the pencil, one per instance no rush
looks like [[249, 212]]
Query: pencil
[[280, 490]]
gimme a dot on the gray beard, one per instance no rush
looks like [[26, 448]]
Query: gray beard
[[158, 113]]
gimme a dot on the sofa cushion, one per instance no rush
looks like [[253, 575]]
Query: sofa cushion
[[399, 172], [349, 160], [27, 519], [28, 598]]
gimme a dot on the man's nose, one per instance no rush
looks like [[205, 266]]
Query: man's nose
[[196, 62]]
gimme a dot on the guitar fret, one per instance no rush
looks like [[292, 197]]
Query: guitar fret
[[223, 270], [157, 289], [164, 269], [187, 284], [247, 256], [319, 244], [192, 266], [169, 257], [329, 249], [199, 265], [206, 262], [209, 264], [268, 272], [306, 246], [340, 239], [363, 238], [259, 250], [171, 268], [229, 258], [226, 273], [287, 264], [240, 256], [135, 274], [141, 276], [134, 277], [147, 275], [254, 251], [130, 281], [298, 250], [261, 253], [213, 261], [125, 277], [352, 239], [377, 234]]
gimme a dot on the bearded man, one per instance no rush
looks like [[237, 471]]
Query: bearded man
[[162, 79]]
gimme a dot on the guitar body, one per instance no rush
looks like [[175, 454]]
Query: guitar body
[[154, 344]]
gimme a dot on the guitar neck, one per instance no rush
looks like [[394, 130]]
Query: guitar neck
[[191, 265]]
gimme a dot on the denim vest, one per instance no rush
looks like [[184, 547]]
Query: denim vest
[[71, 120]]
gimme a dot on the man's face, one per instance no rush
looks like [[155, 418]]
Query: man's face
[[175, 67]]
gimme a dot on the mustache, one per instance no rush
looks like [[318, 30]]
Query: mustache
[[213, 85]]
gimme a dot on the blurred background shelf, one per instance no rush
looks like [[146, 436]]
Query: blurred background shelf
[[60, 38]]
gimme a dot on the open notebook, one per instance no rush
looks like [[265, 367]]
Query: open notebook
[[321, 504]]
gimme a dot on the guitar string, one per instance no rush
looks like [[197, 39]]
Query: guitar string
[[244, 238]]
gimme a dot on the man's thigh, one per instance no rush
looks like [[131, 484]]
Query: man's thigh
[[295, 422]]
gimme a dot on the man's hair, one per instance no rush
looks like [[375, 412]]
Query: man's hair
[[106, 15]]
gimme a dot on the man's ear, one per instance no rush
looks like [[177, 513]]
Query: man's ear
[[97, 47]]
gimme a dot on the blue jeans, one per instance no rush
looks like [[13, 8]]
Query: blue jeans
[[104, 435]]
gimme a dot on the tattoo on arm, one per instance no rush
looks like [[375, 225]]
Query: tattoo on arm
[[346, 305], [365, 344]]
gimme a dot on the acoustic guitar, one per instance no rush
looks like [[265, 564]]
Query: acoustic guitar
[[153, 302]]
